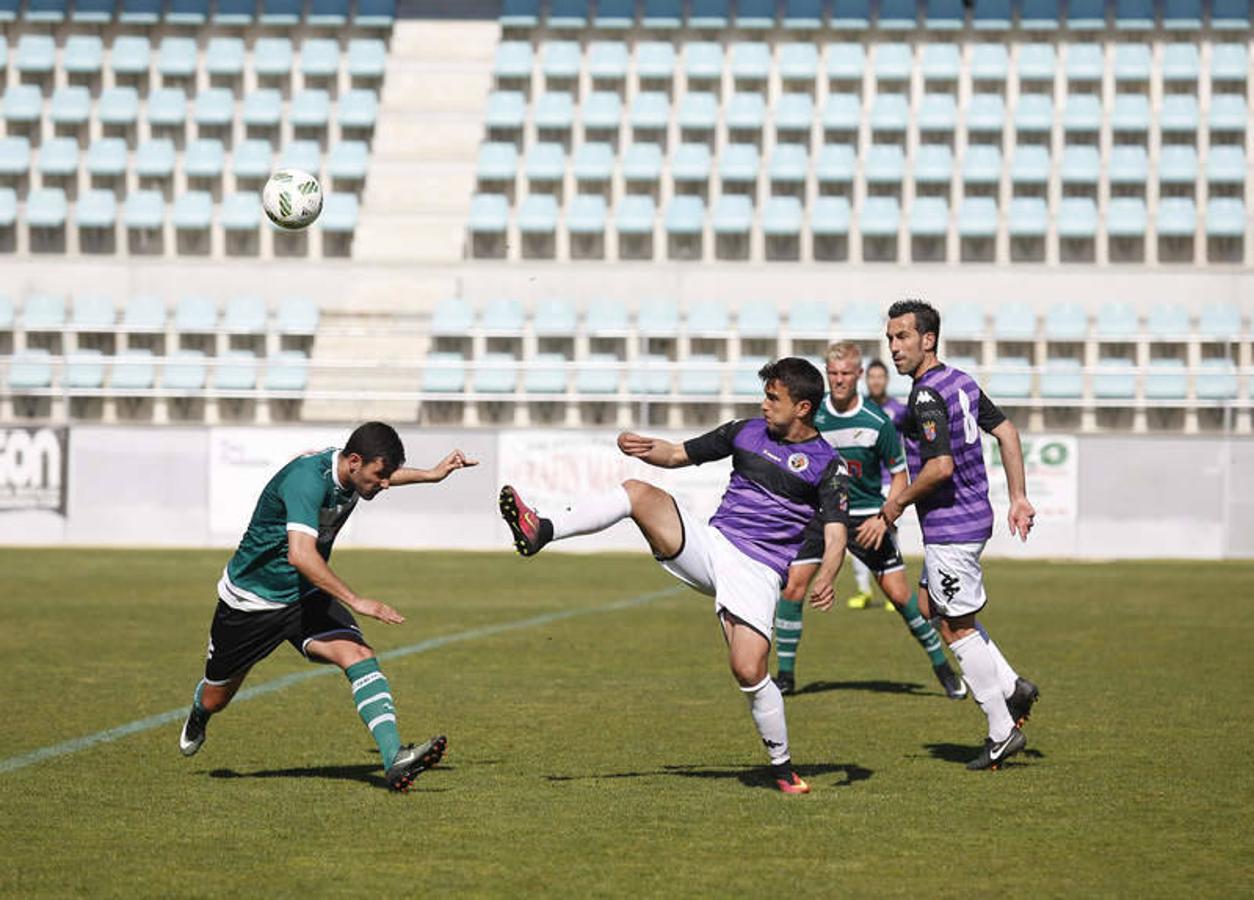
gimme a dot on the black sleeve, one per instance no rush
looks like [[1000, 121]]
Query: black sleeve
[[989, 416], [716, 444], [834, 494], [931, 423]]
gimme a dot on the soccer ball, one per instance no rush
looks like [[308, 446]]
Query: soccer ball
[[292, 199]]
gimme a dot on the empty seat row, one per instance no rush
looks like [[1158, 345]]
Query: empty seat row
[[139, 370], [191, 314], [280, 13]]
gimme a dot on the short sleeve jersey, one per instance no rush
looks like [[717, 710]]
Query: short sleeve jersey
[[867, 441], [945, 415], [303, 496], [776, 487]]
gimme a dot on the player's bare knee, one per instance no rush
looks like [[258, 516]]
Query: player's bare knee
[[356, 653], [794, 593], [748, 672]]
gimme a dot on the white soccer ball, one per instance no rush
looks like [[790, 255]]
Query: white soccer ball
[[292, 199]]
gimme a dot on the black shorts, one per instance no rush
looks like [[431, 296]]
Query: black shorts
[[881, 561], [239, 640]]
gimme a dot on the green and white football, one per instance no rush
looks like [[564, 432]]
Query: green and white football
[[292, 199]]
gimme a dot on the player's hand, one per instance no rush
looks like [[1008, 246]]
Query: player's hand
[[1021, 518], [871, 533], [891, 511], [455, 460], [635, 444], [377, 609], [823, 595]]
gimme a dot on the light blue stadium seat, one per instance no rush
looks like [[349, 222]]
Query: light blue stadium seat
[[1178, 114], [636, 214], [1230, 15], [235, 370], [650, 374], [130, 55], [93, 11], [593, 162], [1036, 62], [133, 370], [809, 318], [263, 108], [977, 217], [658, 317], [989, 62], [1225, 164], [1084, 62], [782, 217], [854, 15], [946, 15], [23, 103], [1126, 217], [755, 15], [992, 15], [246, 315], [36, 54], [831, 216], [520, 13], [496, 373], [297, 315], [798, 62], [505, 109], [981, 164], [615, 15], [193, 211], [745, 112], [884, 164], [1181, 64], [554, 111], [698, 111], [745, 381], [167, 107], [1167, 379], [789, 164], [452, 317], [933, 164], [568, 13], [685, 216], [1063, 379], [224, 57], [1217, 380], [845, 62], [58, 157], [287, 372], [118, 106], [803, 15], [1129, 165], [545, 374], [15, 156], [1221, 321], [937, 112], [155, 158], [242, 212], [1177, 217], [205, 157], [893, 62], [691, 163], [30, 370], [272, 57], [489, 213], [282, 12], [43, 312], [1228, 62], [965, 322], [941, 62], [602, 110], [607, 318], [701, 376], [794, 112], [897, 15], [514, 60], [243, 12], [367, 58], [497, 161], [880, 217], [1081, 164], [84, 370], [327, 13], [709, 318], [8, 207], [1177, 164], [1225, 217], [655, 61], [187, 12], [1135, 15], [196, 314], [1131, 113], [733, 214], [144, 313], [985, 113], [555, 318], [861, 318], [608, 61], [83, 55], [177, 57], [97, 209], [890, 112], [304, 155], [598, 374], [311, 108], [709, 13], [835, 164], [1013, 381], [538, 214], [750, 61], [739, 164], [703, 60], [106, 158], [1168, 322], [560, 59], [1182, 15], [1116, 322], [215, 107], [1228, 112], [1077, 218], [929, 217], [758, 319], [49, 11], [1014, 322], [341, 213], [1089, 15], [1083, 112], [46, 208], [842, 112], [1132, 62], [185, 370], [359, 109], [545, 162], [1030, 165]]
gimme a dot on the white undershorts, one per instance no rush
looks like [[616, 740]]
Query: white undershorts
[[711, 564], [954, 578]]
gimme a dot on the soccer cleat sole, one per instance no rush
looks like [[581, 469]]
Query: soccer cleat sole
[[508, 505], [428, 760]]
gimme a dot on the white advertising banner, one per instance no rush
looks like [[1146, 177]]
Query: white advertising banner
[[1050, 462]]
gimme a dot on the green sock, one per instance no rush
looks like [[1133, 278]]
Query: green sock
[[374, 704], [922, 630], [787, 633]]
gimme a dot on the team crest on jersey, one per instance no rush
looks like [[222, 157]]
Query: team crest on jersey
[[929, 429], [798, 462]]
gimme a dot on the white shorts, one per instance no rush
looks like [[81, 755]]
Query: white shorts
[[953, 578], [714, 566]]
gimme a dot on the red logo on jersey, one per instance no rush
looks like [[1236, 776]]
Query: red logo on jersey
[[855, 467]]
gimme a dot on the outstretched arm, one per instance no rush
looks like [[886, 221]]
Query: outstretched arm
[[302, 553], [654, 451], [1021, 516], [438, 472]]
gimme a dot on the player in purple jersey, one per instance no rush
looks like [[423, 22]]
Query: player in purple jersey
[[877, 390], [949, 486], [783, 472]]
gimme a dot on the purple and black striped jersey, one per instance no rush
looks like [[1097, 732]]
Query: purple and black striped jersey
[[945, 414], [776, 487], [896, 410]]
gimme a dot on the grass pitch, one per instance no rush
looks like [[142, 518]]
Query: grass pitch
[[608, 752]]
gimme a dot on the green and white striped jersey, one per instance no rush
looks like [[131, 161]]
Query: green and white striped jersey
[[304, 496], [868, 443]]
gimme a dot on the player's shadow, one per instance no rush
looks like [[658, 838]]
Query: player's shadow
[[964, 753], [874, 686], [366, 773], [757, 777]]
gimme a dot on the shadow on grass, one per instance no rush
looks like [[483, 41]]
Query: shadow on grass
[[964, 753], [757, 777], [366, 773], [876, 687]]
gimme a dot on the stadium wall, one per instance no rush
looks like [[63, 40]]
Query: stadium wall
[[1099, 497]]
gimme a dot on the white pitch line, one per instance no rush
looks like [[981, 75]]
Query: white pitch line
[[269, 687]]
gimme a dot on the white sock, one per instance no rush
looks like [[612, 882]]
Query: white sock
[[862, 575], [1006, 675], [589, 514], [766, 705], [980, 672]]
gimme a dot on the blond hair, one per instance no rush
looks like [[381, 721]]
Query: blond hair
[[844, 350]]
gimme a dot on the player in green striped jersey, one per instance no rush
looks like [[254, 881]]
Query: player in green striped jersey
[[868, 443]]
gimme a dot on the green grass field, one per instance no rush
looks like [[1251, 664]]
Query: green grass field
[[607, 751]]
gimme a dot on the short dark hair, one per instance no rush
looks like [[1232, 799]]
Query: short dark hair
[[926, 318], [377, 440], [876, 364], [803, 380]]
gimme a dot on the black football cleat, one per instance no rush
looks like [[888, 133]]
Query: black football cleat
[[1021, 701], [786, 682], [955, 687], [997, 752], [193, 733], [412, 761], [530, 531]]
